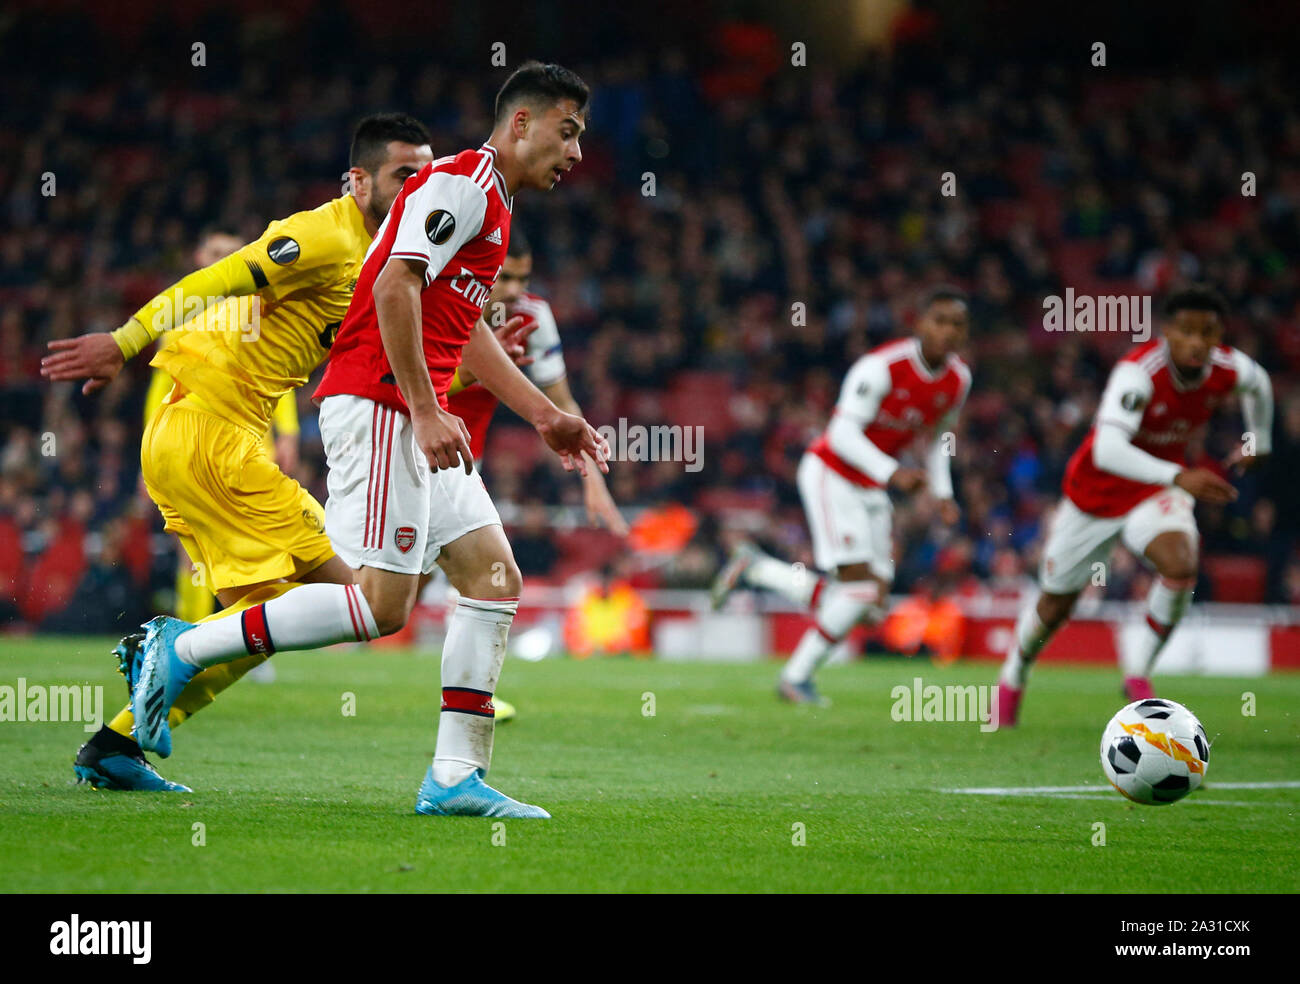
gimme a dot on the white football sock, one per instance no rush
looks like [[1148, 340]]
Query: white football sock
[[795, 583], [1031, 635], [472, 657], [306, 617], [1166, 603], [839, 606]]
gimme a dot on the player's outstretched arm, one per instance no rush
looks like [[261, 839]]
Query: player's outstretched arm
[[441, 436], [566, 434], [1256, 393], [99, 356], [938, 469]]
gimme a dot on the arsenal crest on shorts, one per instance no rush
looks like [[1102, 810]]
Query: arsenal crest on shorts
[[404, 538]]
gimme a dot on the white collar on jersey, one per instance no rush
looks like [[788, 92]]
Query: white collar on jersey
[[499, 178]]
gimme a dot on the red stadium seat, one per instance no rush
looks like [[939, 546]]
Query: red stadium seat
[[585, 549], [721, 500], [692, 407], [514, 448], [1076, 262], [56, 573], [998, 217], [137, 552], [1238, 579], [11, 558], [1045, 201], [1025, 165]]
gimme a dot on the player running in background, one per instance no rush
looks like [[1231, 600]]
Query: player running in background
[[204, 458], [402, 492], [900, 391], [1128, 482], [544, 364]]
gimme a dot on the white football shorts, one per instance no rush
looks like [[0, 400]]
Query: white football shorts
[[849, 524], [1078, 542], [386, 508]]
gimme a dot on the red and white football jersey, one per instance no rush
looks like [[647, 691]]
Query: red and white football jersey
[[475, 404], [1160, 415], [454, 215], [897, 398]]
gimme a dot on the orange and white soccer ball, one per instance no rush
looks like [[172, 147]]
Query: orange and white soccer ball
[[1155, 751]]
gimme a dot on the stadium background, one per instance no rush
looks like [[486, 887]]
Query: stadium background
[[774, 185]]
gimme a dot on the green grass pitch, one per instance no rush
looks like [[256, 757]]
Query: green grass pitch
[[705, 795]]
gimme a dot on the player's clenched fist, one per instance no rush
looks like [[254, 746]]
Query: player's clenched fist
[[94, 357], [442, 438], [1205, 485], [570, 436]]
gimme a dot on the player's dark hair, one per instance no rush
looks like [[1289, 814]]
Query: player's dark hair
[[942, 292], [519, 245], [533, 82], [371, 138], [1197, 297]]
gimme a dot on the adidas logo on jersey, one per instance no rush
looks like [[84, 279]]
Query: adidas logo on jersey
[[494, 236]]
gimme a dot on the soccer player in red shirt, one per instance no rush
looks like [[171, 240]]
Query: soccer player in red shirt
[[1128, 482], [402, 492], [892, 395]]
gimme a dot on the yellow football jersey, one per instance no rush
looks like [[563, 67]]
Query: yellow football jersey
[[240, 356], [285, 417]]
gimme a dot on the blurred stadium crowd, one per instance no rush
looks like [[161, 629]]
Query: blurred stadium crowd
[[774, 187]]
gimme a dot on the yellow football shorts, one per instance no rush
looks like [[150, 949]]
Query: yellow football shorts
[[239, 517]]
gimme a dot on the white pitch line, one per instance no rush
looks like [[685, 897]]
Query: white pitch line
[[1191, 799], [1057, 790], [1100, 792]]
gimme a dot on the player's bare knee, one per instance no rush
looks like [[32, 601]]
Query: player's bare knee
[[1181, 566], [1174, 557], [501, 578]]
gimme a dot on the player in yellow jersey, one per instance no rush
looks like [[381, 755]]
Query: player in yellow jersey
[[193, 599], [250, 328]]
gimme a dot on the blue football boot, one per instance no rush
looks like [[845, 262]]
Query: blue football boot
[[163, 676], [801, 693], [121, 771], [471, 797], [130, 655]]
